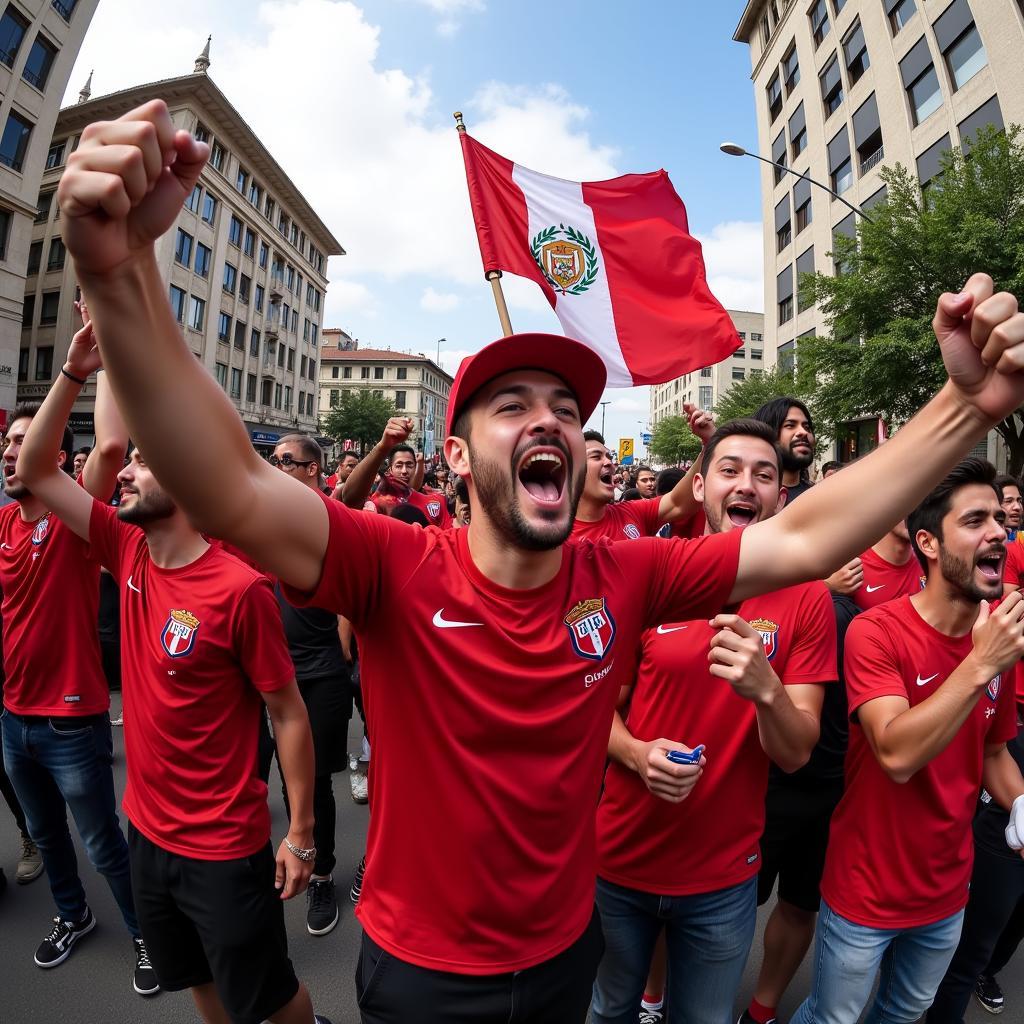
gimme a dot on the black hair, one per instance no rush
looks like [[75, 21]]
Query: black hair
[[630, 494], [643, 469], [829, 466], [86, 450], [1005, 480], [742, 428], [593, 435], [403, 448], [309, 448], [667, 479], [929, 514], [28, 410], [774, 412], [461, 490], [410, 514], [430, 478]]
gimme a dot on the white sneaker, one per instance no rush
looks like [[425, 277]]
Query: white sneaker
[[360, 789]]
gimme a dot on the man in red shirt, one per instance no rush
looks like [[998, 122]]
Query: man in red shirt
[[599, 515], [890, 570], [1013, 504], [203, 650], [481, 903], [56, 728], [346, 464], [930, 681], [693, 868]]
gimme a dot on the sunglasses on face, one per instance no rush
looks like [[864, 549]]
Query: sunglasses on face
[[287, 461]]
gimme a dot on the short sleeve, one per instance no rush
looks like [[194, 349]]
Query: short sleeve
[[687, 579], [812, 654], [109, 538], [260, 645], [1004, 728], [871, 667]]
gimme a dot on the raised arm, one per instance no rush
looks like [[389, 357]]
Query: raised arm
[[38, 467], [122, 189], [360, 482], [981, 336], [679, 503]]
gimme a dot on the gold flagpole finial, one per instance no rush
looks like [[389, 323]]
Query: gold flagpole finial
[[459, 125]]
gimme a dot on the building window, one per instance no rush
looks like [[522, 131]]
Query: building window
[[236, 383], [855, 49], [14, 143], [399, 399], [839, 164], [929, 163], [774, 91], [791, 69], [402, 373], [766, 29], [756, 337], [740, 353], [250, 387], [55, 154], [244, 284], [259, 298], [202, 133], [295, 321], [230, 278], [787, 357], [921, 81], [250, 243], [831, 86], [263, 255], [240, 330], [867, 135], [65, 8], [738, 373], [784, 294], [294, 235], [706, 372], [196, 312], [178, 303], [364, 373], [820, 26], [254, 342], [288, 397], [235, 232], [242, 180], [268, 209], [195, 198], [39, 62], [291, 359], [224, 327], [378, 373], [220, 371], [202, 264], [779, 156], [347, 373], [35, 257], [23, 366], [798, 132], [804, 270], [217, 157], [44, 363], [28, 310], [255, 194], [783, 224], [43, 205], [987, 114], [12, 31], [55, 260], [802, 204], [756, 355], [705, 399], [965, 55], [900, 12]]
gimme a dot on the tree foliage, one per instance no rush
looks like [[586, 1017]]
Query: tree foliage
[[673, 442], [917, 245], [360, 416], [746, 396]]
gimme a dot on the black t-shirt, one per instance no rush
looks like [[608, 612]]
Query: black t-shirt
[[313, 642], [991, 820], [793, 492]]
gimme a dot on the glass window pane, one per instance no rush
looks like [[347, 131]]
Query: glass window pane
[[925, 95], [966, 57]]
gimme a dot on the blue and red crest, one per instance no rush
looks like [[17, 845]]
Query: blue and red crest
[[993, 686], [433, 509], [769, 635], [591, 628], [631, 531], [178, 636], [41, 530]]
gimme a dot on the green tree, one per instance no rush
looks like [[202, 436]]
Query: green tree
[[360, 416], [673, 442], [746, 396], [970, 218]]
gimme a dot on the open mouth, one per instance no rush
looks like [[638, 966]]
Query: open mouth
[[542, 474], [741, 513], [991, 565], [606, 478], [9, 468]]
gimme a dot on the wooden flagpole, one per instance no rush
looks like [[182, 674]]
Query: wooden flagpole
[[494, 276]]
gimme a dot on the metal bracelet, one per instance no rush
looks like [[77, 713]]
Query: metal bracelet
[[297, 851]]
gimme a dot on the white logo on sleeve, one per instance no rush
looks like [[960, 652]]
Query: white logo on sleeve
[[921, 682], [442, 623], [871, 590], [131, 586]]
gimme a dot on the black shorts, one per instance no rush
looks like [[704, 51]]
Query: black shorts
[[797, 817], [214, 920]]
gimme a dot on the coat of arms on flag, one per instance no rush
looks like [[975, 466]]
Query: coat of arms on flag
[[179, 633], [769, 635], [569, 264], [591, 628]]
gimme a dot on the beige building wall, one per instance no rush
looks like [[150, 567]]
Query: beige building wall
[[879, 114], [39, 42], [706, 386], [245, 265], [415, 383]]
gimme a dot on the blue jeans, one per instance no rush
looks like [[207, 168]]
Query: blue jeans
[[708, 937], [847, 956], [60, 763]]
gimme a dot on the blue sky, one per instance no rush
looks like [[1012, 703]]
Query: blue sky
[[355, 100]]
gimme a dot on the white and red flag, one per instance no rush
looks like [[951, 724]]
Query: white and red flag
[[615, 259]]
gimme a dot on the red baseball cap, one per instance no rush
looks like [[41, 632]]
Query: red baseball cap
[[579, 366]]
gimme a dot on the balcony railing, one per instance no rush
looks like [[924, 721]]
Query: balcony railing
[[872, 161]]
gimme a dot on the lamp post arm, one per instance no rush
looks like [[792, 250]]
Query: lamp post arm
[[803, 177]]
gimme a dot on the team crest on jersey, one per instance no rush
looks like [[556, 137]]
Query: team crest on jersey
[[433, 509], [591, 628], [924, 580], [993, 687], [631, 531], [179, 633], [41, 530], [769, 635]]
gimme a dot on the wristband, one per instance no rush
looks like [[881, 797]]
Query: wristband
[[298, 851], [70, 376]]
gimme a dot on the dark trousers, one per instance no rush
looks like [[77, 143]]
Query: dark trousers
[[993, 924], [12, 800], [392, 991]]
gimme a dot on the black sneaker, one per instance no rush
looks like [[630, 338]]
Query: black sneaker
[[357, 882], [321, 906], [319, 1018], [989, 994], [144, 982], [57, 946]]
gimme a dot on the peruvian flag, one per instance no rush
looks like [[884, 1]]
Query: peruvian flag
[[615, 259]]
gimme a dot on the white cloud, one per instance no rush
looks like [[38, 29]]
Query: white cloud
[[734, 259], [450, 11], [438, 302], [450, 358], [352, 297]]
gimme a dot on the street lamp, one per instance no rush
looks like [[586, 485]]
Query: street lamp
[[440, 342], [603, 404]]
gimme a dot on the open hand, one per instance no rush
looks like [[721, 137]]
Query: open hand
[[702, 424]]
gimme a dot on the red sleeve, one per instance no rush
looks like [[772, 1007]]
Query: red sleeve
[[1004, 728], [870, 663], [687, 579], [368, 556], [647, 517], [812, 655], [109, 537], [692, 527], [260, 645], [1012, 567]]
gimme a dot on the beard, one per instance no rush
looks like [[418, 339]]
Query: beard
[[960, 575], [147, 509], [497, 494], [794, 462], [16, 491]]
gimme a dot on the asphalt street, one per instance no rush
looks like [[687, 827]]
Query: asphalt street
[[94, 985]]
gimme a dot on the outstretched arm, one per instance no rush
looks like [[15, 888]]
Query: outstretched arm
[[122, 189], [982, 340], [679, 503], [358, 485]]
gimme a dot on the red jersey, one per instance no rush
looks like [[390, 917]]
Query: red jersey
[[51, 593], [1013, 568], [623, 520], [884, 581], [434, 507], [900, 856], [499, 876], [198, 645], [711, 840]]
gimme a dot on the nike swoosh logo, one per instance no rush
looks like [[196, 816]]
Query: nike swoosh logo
[[131, 586], [664, 632], [5, 545], [871, 590], [442, 623], [921, 682]]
